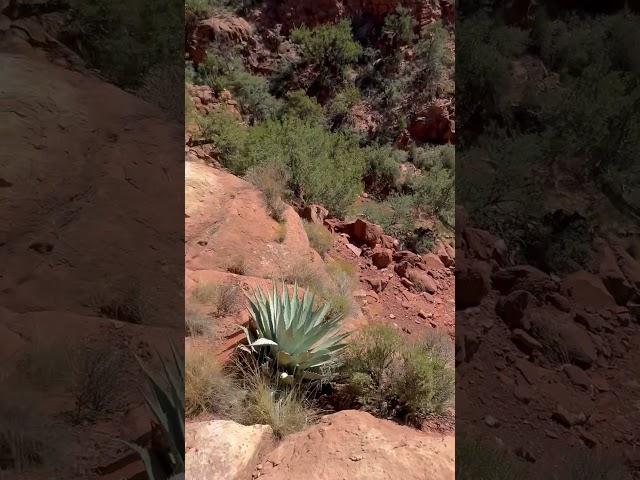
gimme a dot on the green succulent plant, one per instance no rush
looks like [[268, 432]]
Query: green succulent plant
[[298, 337], [166, 402]]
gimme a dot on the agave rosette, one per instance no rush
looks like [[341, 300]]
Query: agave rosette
[[301, 338]]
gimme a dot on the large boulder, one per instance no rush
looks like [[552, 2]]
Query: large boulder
[[366, 232], [523, 277], [224, 450], [422, 280], [612, 276], [473, 281], [587, 289], [355, 445]]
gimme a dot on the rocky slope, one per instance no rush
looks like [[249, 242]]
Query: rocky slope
[[554, 354]]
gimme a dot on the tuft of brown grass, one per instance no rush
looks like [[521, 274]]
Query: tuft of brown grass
[[224, 299], [319, 237], [207, 388]]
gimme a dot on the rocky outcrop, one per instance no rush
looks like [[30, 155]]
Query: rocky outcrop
[[433, 125], [355, 445], [223, 449], [221, 28]]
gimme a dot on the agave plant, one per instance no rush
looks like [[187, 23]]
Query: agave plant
[[299, 337], [167, 405]]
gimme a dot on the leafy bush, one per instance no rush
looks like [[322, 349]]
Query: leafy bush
[[329, 47], [382, 172], [390, 377], [207, 389], [126, 39], [298, 337], [338, 107], [319, 237], [434, 192], [223, 69], [425, 384], [298, 104], [436, 156], [228, 136], [399, 27]]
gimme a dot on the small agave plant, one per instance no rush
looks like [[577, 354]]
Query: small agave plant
[[298, 337], [166, 402]]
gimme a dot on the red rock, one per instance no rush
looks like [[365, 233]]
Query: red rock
[[523, 277], [433, 125], [525, 342], [314, 214], [366, 232], [382, 257], [472, 284], [432, 261], [612, 276], [482, 244], [587, 290], [422, 281], [512, 308], [445, 253]]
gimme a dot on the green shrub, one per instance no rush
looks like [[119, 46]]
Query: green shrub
[[298, 337], [425, 384], [324, 167], [319, 237], [298, 104], [399, 27], [436, 156], [223, 69], [392, 378], [382, 172], [430, 58], [338, 107], [434, 192], [126, 39], [329, 47], [228, 136]]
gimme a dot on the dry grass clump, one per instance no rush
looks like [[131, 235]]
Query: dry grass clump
[[285, 408], [207, 388], [197, 324], [98, 381], [319, 237], [224, 299], [238, 266]]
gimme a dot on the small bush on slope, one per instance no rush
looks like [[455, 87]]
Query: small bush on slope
[[330, 48], [391, 378], [224, 299]]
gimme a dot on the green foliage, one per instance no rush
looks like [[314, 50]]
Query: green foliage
[[434, 156], [166, 402], [331, 48], [382, 173], [300, 339], [391, 377], [126, 39], [223, 69], [431, 57], [425, 385], [321, 167], [434, 192], [272, 179], [399, 27], [320, 238], [343, 101], [299, 105]]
